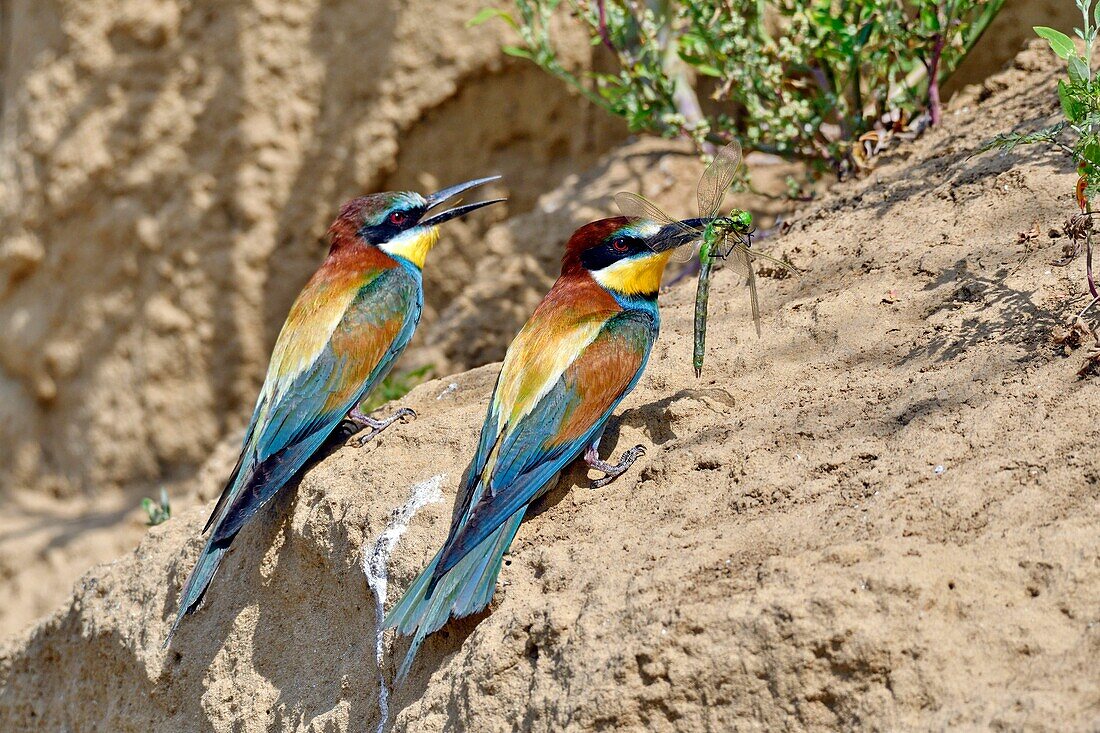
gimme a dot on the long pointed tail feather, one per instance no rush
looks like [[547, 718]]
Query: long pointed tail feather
[[463, 590], [197, 582], [248, 491]]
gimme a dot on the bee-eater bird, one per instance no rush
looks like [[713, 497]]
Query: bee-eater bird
[[344, 332], [581, 352]]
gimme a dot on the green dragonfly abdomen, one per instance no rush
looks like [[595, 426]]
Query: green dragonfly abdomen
[[711, 235], [715, 242], [723, 237]]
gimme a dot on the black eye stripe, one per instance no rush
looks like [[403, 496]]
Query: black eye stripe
[[610, 251], [386, 229]]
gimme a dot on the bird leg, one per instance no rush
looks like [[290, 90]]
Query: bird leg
[[374, 427], [611, 471]]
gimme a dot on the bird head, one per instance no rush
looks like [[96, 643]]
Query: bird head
[[626, 256], [395, 222]]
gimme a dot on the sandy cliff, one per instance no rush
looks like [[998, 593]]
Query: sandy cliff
[[166, 169], [880, 515], [167, 166]]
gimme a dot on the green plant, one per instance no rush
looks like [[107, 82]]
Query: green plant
[[396, 386], [802, 78], [1078, 134], [157, 513]]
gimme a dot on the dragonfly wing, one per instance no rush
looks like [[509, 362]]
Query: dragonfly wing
[[736, 257], [757, 255], [638, 207], [717, 178], [684, 253], [742, 254]]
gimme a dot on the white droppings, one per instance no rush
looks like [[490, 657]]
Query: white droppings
[[376, 568], [450, 388], [938, 470]]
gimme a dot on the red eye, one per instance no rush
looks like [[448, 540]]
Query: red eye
[[619, 244], [397, 218]]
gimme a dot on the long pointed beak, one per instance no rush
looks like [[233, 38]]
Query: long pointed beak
[[678, 234], [450, 192]]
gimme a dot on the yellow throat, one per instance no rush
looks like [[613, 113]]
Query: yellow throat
[[635, 276], [414, 244]]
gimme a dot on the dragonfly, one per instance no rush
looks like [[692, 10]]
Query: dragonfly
[[726, 237]]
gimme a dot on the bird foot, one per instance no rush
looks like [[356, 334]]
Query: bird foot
[[611, 471], [374, 427]]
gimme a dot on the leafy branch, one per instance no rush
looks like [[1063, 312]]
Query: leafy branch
[[800, 78]]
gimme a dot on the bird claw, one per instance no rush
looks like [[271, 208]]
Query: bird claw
[[625, 462], [358, 441], [374, 427], [602, 482]]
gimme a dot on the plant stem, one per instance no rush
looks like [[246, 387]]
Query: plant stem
[[933, 66], [857, 83], [1081, 315], [1088, 255], [1084, 5], [605, 35]]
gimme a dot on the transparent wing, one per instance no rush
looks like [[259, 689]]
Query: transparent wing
[[756, 255], [684, 253], [717, 178], [639, 207], [733, 252], [741, 255]]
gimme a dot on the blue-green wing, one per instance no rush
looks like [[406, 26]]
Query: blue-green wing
[[375, 329], [563, 423]]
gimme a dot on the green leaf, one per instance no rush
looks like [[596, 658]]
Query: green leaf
[[865, 33], [520, 53], [1090, 151], [1006, 141], [1078, 69], [708, 70], [1065, 99], [487, 14], [1070, 107], [1059, 42]]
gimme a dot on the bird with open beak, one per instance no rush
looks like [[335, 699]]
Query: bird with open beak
[[344, 332], [583, 350]]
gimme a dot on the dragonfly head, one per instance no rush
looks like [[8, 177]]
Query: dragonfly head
[[742, 219]]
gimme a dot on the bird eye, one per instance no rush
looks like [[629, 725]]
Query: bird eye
[[398, 218], [619, 244]]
